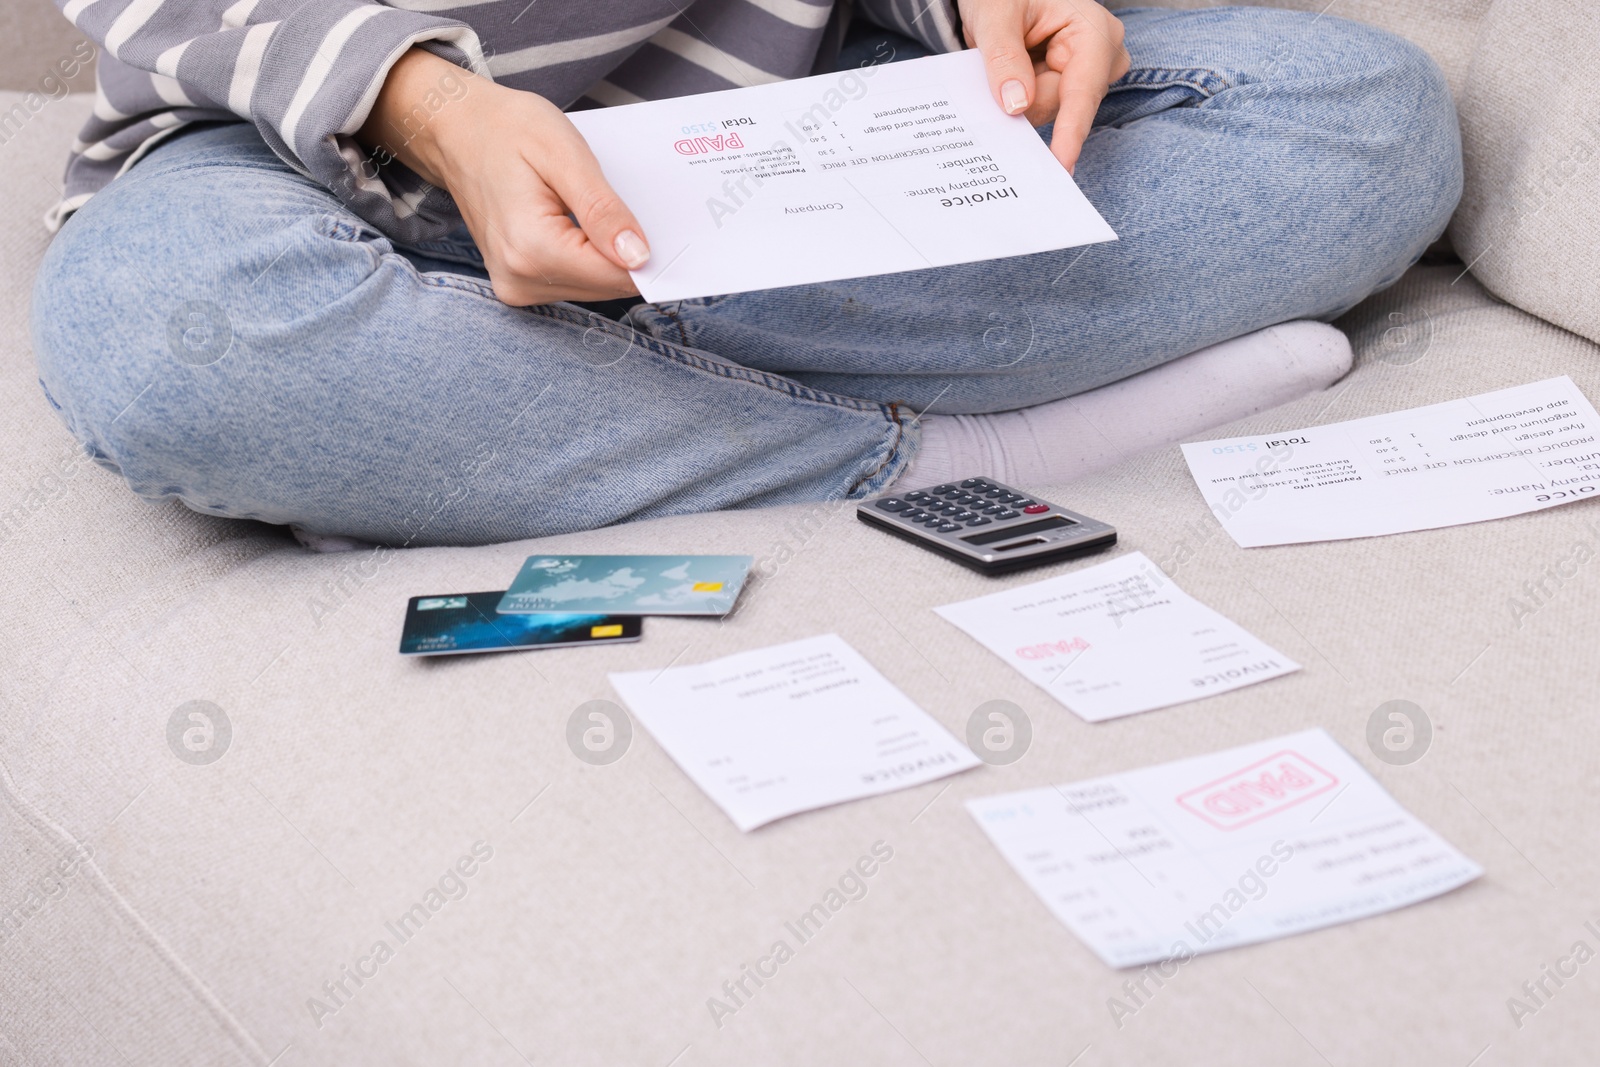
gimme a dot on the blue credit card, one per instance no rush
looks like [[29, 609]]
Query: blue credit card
[[628, 585], [467, 622]]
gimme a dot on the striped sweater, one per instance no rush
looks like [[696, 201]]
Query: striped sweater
[[306, 72]]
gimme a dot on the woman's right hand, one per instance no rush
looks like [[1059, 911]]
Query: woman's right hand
[[516, 167]]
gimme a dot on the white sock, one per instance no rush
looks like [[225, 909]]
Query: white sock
[[1055, 442], [316, 542]]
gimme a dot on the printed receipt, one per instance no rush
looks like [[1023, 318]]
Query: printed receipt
[[791, 728], [1246, 845], [870, 171], [1117, 638], [1485, 457]]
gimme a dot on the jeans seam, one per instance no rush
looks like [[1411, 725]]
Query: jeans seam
[[686, 356], [465, 253], [338, 229], [889, 453], [671, 314], [208, 164], [1201, 79], [344, 230], [341, 229]]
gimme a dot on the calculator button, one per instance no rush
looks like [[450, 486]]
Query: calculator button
[[918, 497], [893, 503], [1004, 515], [979, 521], [933, 520], [994, 494], [941, 490], [994, 510], [1035, 509], [963, 516], [970, 482], [947, 527], [951, 509], [914, 515]]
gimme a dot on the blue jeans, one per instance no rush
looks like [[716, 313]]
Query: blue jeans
[[219, 329]]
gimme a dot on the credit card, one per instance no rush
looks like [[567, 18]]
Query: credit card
[[458, 623], [629, 585]]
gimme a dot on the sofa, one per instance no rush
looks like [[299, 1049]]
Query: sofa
[[171, 901]]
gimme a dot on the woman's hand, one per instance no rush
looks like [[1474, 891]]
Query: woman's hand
[[516, 167], [1049, 59]]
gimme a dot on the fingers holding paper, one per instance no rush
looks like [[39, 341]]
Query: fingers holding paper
[[998, 29], [1051, 60], [520, 173], [520, 203]]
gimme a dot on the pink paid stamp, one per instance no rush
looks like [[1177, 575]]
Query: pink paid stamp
[[1264, 788]]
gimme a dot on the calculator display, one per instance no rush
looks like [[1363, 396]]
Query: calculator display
[[1005, 533]]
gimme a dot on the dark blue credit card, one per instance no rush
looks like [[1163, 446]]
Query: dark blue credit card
[[459, 623]]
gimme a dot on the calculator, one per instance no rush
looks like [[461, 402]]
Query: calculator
[[987, 526]]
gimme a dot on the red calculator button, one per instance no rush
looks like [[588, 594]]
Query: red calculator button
[[1035, 509]]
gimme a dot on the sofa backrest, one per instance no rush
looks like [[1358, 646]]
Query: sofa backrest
[[1529, 221]]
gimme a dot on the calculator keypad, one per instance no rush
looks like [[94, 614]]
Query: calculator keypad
[[974, 502], [969, 519]]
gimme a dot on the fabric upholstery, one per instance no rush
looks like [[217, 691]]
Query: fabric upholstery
[[1529, 223], [217, 900]]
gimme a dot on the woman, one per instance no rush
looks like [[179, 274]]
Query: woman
[[320, 261]]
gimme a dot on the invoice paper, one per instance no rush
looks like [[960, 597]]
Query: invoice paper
[[787, 729], [869, 171], [1117, 638], [1485, 457], [1257, 842]]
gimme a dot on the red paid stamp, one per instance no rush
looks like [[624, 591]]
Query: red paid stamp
[[1264, 788]]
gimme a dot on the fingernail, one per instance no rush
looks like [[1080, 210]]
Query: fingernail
[[1013, 97], [631, 247]]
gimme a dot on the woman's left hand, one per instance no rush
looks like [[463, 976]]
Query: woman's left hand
[[1048, 59]]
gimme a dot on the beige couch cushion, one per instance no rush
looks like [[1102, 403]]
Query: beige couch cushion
[[1529, 223]]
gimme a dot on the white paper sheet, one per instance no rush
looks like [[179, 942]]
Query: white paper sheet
[[882, 169], [1116, 639], [790, 728], [1483, 457], [1246, 845]]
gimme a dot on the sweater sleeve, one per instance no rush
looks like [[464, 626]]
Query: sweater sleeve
[[305, 74], [934, 23]]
